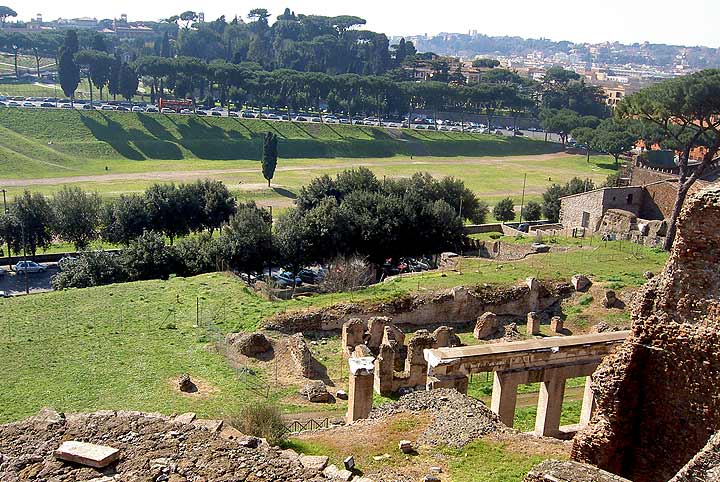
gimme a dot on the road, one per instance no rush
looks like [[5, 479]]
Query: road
[[14, 284]]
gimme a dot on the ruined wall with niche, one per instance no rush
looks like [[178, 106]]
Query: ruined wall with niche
[[448, 307], [658, 397]]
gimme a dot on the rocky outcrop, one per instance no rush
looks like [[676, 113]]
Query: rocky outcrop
[[658, 396]]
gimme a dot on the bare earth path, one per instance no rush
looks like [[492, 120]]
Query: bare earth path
[[210, 173]]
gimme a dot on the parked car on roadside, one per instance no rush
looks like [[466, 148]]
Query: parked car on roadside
[[4, 294], [285, 279], [29, 267]]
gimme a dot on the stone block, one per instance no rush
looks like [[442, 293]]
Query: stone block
[[405, 446], [485, 326], [533, 324], [353, 334], [556, 324], [210, 425], [333, 473], [185, 418], [581, 282], [91, 455], [314, 462]]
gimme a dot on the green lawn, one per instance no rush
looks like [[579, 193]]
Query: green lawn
[[127, 152], [114, 346]]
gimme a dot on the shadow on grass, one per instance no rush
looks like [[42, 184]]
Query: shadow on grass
[[285, 192]]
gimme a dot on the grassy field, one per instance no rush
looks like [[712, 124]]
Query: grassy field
[[114, 153], [120, 346]]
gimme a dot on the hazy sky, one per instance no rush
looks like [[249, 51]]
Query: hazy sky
[[688, 22]]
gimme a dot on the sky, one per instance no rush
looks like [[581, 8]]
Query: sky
[[690, 22]]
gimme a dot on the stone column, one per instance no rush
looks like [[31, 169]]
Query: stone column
[[547, 423], [504, 398], [588, 405], [360, 390], [385, 370], [556, 325], [533, 324]]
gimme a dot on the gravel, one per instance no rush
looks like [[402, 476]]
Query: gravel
[[456, 418]]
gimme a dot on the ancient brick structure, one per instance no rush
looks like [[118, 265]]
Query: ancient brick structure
[[657, 397]]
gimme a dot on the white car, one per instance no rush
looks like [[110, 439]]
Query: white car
[[186, 111], [166, 110], [137, 108], [66, 106], [29, 267], [107, 107]]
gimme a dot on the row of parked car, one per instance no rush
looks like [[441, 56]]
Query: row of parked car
[[393, 267]]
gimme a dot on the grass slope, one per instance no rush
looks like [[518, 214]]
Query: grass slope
[[110, 136], [120, 346]]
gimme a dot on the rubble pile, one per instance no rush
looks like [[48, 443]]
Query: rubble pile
[[657, 397], [151, 447], [456, 418]]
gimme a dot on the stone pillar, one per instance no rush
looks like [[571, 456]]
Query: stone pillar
[[588, 405], [385, 370], [556, 324], [504, 398], [547, 423], [360, 390], [533, 324], [353, 334]]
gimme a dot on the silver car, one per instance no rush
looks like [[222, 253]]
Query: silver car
[[29, 267]]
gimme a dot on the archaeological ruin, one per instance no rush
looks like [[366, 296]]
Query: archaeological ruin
[[657, 397]]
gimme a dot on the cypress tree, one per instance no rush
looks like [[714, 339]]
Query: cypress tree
[[270, 154], [68, 69]]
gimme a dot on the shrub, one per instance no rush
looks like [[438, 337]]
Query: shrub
[[196, 255], [504, 210], [346, 274], [148, 257], [261, 420], [531, 211], [93, 268]]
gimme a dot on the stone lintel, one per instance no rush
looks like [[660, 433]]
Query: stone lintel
[[96, 456]]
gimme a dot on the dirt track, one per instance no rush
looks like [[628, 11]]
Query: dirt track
[[209, 173]]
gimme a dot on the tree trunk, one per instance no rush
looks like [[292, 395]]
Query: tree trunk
[[37, 64], [17, 74], [683, 189]]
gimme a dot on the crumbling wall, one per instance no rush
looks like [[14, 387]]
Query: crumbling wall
[[657, 396], [448, 307]]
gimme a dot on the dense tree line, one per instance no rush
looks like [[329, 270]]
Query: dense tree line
[[353, 214], [34, 222]]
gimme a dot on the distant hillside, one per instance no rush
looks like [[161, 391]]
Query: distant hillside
[[43, 143], [659, 55]]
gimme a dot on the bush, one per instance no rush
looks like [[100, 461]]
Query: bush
[[261, 420], [148, 257], [504, 210], [347, 274], [531, 211], [196, 255], [93, 268]]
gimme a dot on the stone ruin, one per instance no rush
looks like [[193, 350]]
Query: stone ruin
[[658, 401], [397, 365], [457, 306]]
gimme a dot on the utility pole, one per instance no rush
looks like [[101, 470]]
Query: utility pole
[[522, 202], [27, 286], [4, 199]]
